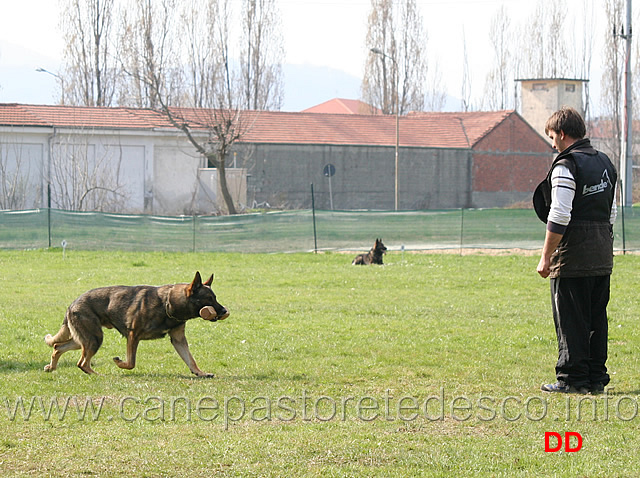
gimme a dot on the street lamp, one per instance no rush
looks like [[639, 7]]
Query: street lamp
[[61, 80], [383, 55], [58, 77]]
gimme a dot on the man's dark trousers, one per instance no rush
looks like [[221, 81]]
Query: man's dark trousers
[[579, 307]]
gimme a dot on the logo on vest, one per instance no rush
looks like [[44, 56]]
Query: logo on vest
[[597, 188]]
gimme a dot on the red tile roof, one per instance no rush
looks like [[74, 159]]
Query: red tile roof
[[80, 117], [433, 130], [344, 106]]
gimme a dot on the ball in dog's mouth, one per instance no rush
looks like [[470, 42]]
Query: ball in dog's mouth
[[209, 313]]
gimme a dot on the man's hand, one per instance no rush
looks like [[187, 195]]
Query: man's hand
[[551, 241], [543, 267]]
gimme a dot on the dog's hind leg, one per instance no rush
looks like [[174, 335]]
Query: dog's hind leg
[[86, 330], [58, 350], [62, 342], [132, 348], [89, 349]]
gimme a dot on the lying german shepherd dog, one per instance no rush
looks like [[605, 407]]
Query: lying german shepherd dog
[[139, 313], [374, 256]]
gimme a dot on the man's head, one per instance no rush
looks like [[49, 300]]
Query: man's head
[[565, 127]]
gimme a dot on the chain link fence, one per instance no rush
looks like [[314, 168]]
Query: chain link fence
[[290, 231]]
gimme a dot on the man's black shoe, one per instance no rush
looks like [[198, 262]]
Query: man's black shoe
[[559, 387]]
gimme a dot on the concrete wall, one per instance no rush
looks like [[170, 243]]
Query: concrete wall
[[175, 180], [364, 176], [435, 178]]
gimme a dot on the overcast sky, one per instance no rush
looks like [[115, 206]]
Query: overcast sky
[[326, 33]]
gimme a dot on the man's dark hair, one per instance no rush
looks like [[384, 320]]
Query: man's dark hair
[[569, 121]]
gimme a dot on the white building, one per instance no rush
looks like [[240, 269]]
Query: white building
[[111, 159]]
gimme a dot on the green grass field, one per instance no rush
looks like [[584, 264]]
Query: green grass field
[[427, 366]]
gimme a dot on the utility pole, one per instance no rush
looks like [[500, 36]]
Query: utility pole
[[626, 156], [383, 55]]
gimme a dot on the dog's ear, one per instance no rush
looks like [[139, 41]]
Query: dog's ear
[[196, 283], [209, 281]]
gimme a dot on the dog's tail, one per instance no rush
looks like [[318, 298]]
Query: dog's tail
[[63, 335]]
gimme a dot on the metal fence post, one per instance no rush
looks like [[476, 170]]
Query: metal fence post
[[313, 209], [49, 212], [194, 232], [461, 229]]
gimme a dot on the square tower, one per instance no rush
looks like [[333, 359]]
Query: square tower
[[541, 97]]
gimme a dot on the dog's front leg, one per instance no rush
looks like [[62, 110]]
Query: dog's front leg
[[132, 348], [179, 341]]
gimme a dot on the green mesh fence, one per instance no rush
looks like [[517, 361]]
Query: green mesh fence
[[289, 231]]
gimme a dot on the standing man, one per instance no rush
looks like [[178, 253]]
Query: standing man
[[577, 201]]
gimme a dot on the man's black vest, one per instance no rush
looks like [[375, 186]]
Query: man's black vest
[[595, 178]]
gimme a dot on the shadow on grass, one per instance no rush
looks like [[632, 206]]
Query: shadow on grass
[[150, 375]]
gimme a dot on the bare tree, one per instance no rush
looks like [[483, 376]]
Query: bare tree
[[531, 61], [379, 81], [412, 58], [89, 72], [557, 42], [584, 61], [148, 50], [222, 128], [211, 124], [545, 51], [173, 55], [226, 93], [611, 83], [499, 83], [203, 64], [261, 56], [465, 93], [395, 78], [218, 122]]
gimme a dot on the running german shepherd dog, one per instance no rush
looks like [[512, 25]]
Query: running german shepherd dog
[[374, 256], [139, 313]]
